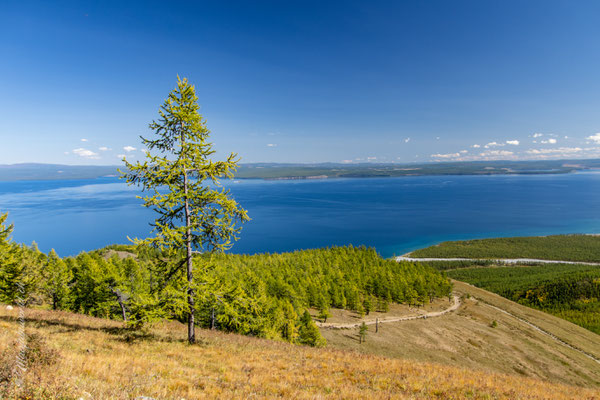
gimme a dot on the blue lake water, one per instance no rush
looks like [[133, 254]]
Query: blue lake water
[[394, 215]]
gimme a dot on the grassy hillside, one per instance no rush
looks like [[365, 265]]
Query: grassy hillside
[[568, 291], [86, 357], [557, 247], [466, 338]]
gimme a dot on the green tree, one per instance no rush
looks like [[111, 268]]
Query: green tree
[[11, 270], [362, 332], [194, 216], [308, 333], [19, 267], [56, 280], [90, 293], [368, 303], [323, 309]]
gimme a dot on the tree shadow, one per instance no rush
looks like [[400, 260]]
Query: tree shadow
[[118, 333]]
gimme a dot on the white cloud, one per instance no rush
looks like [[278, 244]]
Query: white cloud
[[84, 140], [437, 138], [463, 152], [129, 148], [536, 135], [272, 145], [371, 158], [496, 153], [85, 153], [406, 140], [595, 138], [493, 144], [103, 148], [444, 156], [346, 161], [144, 151], [513, 142], [549, 141], [560, 151], [121, 156], [476, 146]]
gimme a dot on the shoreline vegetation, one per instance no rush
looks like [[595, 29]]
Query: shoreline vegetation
[[574, 247], [275, 171]]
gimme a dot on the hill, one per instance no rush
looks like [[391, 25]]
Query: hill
[[521, 342], [565, 290], [86, 357], [569, 291]]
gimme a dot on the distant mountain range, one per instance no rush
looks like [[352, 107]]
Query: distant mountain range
[[34, 171]]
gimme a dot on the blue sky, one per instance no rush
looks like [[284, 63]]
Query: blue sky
[[397, 81]]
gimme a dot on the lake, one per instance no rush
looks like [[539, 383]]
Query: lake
[[394, 215]]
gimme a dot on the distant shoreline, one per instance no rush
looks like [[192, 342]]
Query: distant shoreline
[[273, 171]]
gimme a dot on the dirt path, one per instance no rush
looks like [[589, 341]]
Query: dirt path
[[499, 260], [456, 303]]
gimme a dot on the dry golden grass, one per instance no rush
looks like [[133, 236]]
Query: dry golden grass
[[100, 360], [465, 338]]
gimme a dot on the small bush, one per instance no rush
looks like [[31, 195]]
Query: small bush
[[36, 357], [38, 353]]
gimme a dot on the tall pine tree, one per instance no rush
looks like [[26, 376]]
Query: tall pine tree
[[195, 213]]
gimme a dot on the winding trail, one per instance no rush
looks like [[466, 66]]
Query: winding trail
[[498, 260], [456, 303]]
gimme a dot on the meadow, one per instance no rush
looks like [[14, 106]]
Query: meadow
[[76, 356]]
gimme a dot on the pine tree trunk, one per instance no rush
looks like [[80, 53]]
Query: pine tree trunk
[[190, 274], [120, 300], [123, 311]]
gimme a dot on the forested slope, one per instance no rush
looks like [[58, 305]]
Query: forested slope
[[265, 295]]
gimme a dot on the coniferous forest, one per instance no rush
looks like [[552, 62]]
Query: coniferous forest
[[264, 295]]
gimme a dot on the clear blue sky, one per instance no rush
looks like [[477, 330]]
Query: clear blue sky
[[397, 81]]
